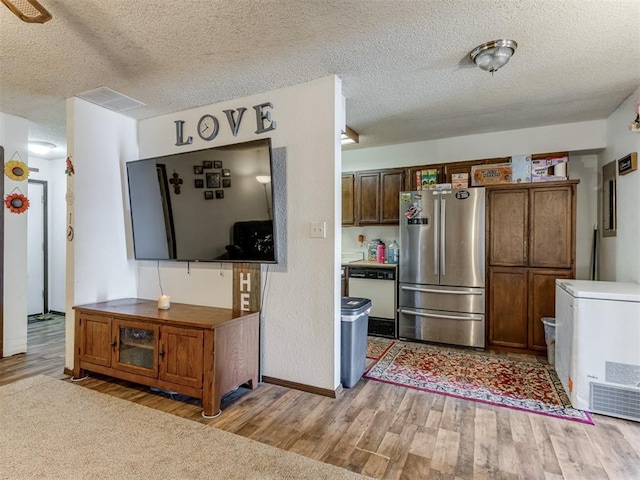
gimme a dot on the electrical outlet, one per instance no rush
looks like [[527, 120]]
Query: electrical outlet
[[319, 230]]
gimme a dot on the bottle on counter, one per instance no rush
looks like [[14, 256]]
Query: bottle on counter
[[372, 250], [380, 255], [393, 253]]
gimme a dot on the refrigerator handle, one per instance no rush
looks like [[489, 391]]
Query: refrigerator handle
[[406, 311], [443, 244], [469, 291], [436, 226]]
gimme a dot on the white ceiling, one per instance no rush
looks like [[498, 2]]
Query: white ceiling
[[404, 64]]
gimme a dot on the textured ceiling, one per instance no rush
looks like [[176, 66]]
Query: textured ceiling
[[404, 64]]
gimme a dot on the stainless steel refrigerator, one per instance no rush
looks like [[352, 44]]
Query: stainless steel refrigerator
[[442, 266]]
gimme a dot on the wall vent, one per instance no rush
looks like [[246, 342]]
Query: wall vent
[[108, 98], [621, 402]]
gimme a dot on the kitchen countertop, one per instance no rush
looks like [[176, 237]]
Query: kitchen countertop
[[367, 263]]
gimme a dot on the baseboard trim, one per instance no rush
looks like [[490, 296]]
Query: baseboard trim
[[68, 371], [325, 392]]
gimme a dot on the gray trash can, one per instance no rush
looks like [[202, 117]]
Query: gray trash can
[[354, 317], [550, 338]]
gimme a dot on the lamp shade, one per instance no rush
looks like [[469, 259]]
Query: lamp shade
[[493, 55]]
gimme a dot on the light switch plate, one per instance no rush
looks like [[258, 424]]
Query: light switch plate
[[319, 230]]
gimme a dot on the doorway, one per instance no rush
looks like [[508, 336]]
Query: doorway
[[37, 250]]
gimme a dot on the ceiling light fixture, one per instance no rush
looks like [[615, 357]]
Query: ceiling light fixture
[[40, 148], [493, 55], [349, 136], [29, 11]]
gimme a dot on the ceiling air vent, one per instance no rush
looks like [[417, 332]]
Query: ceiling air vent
[[108, 98]]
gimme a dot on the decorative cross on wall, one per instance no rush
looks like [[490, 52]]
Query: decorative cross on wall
[[176, 181]]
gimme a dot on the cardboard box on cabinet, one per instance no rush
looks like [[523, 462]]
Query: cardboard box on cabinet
[[549, 169], [460, 180], [491, 174], [521, 165]]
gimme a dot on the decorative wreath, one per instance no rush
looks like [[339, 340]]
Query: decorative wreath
[[16, 170], [16, 202]]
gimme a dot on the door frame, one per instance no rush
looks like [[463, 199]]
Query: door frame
[[45, 244]]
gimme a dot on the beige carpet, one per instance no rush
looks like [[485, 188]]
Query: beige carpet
[[54, 429]]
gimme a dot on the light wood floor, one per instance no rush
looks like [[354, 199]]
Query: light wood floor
[[381, 430]]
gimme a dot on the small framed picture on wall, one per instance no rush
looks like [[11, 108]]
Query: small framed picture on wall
[[219, 193], [199, 183], [208, 194], [197, 169], [213, 180], [207, 164], [226, 172], [226, 182], [217, 164]]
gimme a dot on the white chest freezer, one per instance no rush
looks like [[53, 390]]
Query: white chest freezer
[[598, 346]]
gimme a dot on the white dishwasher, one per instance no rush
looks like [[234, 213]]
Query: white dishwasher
[[378, 284]]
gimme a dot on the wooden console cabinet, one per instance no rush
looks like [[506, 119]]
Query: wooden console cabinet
[[203, 352]]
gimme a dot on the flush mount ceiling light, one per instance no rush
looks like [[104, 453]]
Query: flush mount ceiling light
[[349, 136], [40, 148], [29, 11], [493, 55]]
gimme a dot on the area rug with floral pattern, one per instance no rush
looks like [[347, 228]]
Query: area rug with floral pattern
[[497, 380], [378, 346]]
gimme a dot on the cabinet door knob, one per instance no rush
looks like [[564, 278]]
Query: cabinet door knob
[[161, 353], [114, 343]]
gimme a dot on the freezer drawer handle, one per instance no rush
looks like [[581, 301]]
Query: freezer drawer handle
[[438, 315], [430, 290]]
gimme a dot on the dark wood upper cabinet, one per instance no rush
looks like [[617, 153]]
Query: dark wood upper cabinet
[[372, 197], [508, 220], [368, 198], [551, 231], [391, 182], [348, 199]]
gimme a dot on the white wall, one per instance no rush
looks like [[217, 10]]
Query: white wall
[[570, 137], [619, 256], [584, 167], [98, 269], [349, 237], [301, 308], [13, 137], [52, 171], [575, 137]]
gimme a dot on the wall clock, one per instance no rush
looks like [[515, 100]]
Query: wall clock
[[208, 127]]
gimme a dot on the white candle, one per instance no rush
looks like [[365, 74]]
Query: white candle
[[164, 302]]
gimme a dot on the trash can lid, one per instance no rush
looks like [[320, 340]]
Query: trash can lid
[[353, 304], [549, 321]]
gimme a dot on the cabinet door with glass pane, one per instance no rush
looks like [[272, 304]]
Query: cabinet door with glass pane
[[136, 348]]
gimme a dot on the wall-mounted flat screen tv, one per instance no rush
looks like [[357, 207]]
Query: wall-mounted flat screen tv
[[211, 205]]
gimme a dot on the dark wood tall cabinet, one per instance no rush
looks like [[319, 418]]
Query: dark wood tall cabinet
[[530, 242]]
